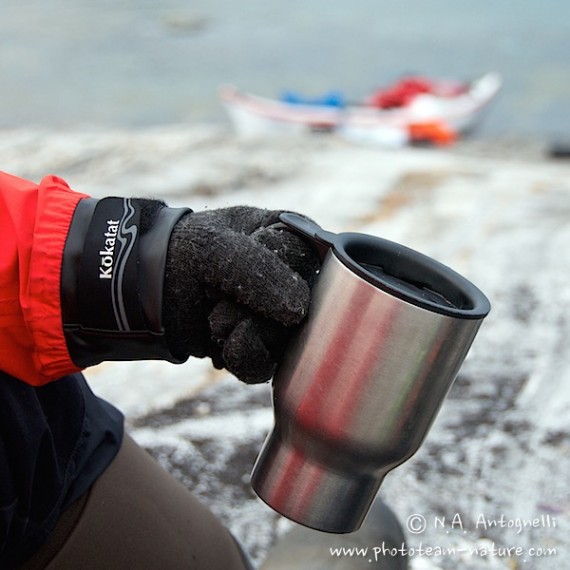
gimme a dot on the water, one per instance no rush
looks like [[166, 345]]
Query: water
[[132, 63]]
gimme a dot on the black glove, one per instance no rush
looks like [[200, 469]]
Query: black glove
[[235, 288]]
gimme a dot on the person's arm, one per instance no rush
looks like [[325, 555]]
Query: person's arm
[[34, 221], [133, 279]]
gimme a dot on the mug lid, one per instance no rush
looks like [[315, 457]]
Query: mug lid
[[398, 270]]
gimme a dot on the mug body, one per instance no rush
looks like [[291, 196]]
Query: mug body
[[362, 382]]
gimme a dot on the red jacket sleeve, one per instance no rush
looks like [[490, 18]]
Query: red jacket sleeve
[[34, 222]]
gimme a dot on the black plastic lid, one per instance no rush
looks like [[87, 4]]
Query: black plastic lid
[[398, 270]]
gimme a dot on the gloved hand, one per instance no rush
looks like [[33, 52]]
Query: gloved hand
[[235, 289]]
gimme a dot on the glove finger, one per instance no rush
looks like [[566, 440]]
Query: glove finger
[[227, 315], [215, 353], [249, 272], [246, 356], [293, 250], [224, 318]]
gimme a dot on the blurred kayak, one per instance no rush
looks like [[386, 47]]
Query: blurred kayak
[[413, 110]]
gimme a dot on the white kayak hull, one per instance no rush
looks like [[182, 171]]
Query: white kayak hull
[[253, 115]]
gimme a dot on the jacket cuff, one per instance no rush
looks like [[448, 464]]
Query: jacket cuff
[[112, 282]]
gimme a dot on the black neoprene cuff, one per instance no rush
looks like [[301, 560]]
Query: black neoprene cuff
[[112, 281]]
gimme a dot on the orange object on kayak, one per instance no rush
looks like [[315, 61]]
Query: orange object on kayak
[[436, 132]]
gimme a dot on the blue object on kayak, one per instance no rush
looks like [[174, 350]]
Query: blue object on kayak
[[330, 99]]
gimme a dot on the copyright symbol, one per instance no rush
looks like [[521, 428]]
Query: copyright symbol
[[416, 524]]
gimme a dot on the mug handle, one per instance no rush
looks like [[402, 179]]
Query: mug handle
[[321, 240]]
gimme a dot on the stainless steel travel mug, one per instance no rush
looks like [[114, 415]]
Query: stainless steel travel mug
[[362, 382]]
